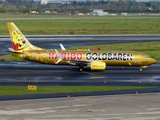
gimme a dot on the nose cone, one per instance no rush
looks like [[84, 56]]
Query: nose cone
[[152, 61]]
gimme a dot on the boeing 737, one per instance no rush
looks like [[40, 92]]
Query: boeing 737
[[94, 59]]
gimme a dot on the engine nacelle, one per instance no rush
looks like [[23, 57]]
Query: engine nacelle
[[98, 66]]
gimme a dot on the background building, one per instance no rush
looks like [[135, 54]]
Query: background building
[[64, 1], [98, 12]]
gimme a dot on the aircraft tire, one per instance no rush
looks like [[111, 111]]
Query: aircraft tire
[[81, 68]]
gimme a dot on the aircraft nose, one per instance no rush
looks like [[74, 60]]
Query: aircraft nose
[[153, 61]]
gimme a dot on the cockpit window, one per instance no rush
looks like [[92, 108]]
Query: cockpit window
[[147, 57]]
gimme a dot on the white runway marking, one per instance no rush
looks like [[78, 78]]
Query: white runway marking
[[80, 105], [154, 109], [44, 108], [22, 111], [62, 107], [75, 110]]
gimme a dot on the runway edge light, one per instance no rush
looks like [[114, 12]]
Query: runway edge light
[[32, 87]]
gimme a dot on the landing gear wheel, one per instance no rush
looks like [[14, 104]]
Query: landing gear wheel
[[140, 69], [81, 68]]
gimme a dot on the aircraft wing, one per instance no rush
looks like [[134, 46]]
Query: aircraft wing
[[72, 62], [79, 62]]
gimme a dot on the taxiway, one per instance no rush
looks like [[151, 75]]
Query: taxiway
[[108, 107], [113, 105]]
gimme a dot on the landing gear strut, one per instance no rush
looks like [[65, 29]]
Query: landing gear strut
[[80, 67], [140, 69]]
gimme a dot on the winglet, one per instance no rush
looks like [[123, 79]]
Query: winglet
[[59, 56], [62, 47]]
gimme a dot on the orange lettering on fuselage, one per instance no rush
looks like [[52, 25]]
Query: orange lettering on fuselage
[[66, 55]]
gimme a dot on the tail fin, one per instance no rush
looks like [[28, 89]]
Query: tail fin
[[19, 41]]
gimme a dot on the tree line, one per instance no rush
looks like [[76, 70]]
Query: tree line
[[82, 7]]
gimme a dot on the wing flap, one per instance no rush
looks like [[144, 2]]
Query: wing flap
[[79, 62]]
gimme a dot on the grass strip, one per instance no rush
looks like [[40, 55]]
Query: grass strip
[[85, 26], [22, 90], [11, 58]]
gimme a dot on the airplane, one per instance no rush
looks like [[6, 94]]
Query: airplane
[[94, 59]]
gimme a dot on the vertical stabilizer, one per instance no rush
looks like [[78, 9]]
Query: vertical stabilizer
[[18, 40]]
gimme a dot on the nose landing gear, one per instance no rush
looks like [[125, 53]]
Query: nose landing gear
[[140, 69]]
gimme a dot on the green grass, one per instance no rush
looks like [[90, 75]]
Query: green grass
[[22, 90], [85, 26], [11, 58]]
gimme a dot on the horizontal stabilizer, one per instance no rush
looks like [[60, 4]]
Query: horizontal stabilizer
[[11, 49]]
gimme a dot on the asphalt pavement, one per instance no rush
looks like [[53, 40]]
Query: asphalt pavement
[[141, 104]]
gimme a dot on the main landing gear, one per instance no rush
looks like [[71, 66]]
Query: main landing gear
[[80, 67]]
